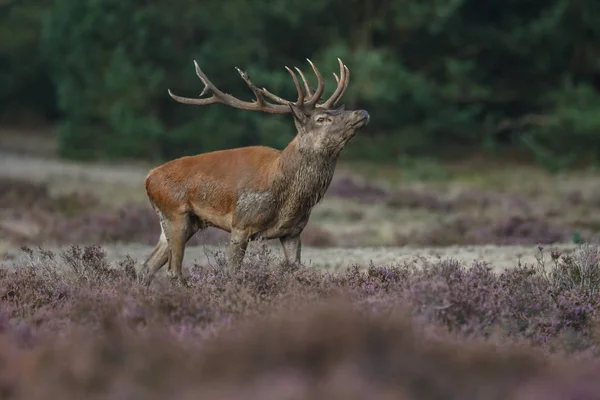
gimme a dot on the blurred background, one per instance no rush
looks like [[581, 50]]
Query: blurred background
[[484, 114]]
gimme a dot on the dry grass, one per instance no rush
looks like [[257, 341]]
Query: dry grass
[[499, 258]]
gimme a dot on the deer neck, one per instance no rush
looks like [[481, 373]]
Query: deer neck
[[303, 176]]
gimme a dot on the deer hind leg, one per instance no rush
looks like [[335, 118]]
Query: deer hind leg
[[159, 255], [180, 230], [172, 230], [157, 259]]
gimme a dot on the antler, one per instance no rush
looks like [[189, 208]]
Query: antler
[[306, 100]]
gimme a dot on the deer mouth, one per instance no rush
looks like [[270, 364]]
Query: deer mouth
[[362, 119]]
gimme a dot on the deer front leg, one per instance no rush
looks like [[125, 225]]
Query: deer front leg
[[291, 248], [237, 249]]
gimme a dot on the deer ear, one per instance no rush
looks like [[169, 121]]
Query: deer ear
[[299, 114]]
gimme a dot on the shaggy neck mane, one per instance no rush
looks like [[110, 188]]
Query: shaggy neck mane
[[303, 176]]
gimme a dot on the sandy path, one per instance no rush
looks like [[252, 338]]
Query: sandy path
[[34, 168], [499, 257], [114, 184]]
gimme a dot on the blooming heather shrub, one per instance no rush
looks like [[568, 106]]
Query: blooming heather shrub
[[580, 270], [426, 199], [349, 187], [577, 197], [573, 381], [29, 215], [484, 199], [79, 326], [527, 303], [316, 236], [24, 293], [471, 301], [345, 349], [523, 230], [465, 199], [20, 194], [466, 300], [467, 229], [322, 351], [14, 192]]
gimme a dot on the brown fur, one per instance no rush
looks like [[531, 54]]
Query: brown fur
[[252, 192]]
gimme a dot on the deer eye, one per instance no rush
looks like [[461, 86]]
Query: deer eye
[[320, 119]]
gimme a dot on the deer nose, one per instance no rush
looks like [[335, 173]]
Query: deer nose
[[363, 114]]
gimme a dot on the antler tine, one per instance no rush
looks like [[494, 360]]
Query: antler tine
[[306, 86], [342, 82], [274, 97], [301, 95], [298, 88], [320, 86], [284, 101], [346, 83], [259, 98], [207, 86]]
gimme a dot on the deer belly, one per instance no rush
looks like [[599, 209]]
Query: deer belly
[[213, 216], [285, 226]]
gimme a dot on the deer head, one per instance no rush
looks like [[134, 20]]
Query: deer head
[[321, 128]]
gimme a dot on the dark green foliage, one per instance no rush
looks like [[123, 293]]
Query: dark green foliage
[[118, 91], [434, 75], [25, 84]]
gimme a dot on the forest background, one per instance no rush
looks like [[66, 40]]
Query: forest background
[[518, 80]]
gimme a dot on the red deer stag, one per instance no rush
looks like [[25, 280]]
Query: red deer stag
[[253, 192]]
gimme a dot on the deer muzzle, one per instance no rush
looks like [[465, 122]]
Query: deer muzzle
[[361, 118]]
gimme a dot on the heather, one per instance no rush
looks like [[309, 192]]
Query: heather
[[75, 324]]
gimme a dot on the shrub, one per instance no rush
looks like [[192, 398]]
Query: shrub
[[78, 325]]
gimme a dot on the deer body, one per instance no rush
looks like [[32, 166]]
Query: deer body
[[253, 192], [266, 191]]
